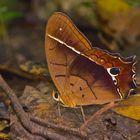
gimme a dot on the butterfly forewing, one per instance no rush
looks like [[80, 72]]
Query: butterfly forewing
[[79, 71]]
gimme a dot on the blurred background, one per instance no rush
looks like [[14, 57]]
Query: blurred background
[[109, 24]]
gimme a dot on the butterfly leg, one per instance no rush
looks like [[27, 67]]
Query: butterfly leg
[[59, 110], [83, 114]]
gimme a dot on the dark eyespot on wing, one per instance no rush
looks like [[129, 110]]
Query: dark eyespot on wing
[[71, 84], [83, 95], [114, 71]]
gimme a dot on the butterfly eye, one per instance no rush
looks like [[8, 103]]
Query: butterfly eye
[[114, 71], [55, 96]]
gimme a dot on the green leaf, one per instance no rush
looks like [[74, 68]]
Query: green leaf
[[134, 3], [7, 16], [87, 4]]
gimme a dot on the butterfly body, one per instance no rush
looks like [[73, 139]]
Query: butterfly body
[[83, 74]]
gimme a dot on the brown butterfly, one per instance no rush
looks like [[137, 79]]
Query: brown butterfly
[[83, 74]]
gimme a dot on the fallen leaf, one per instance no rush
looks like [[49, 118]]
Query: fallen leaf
[[34, 68], [130, 107], [38, 103], [3, 135], [2, 126]]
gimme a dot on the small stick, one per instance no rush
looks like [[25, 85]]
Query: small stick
[[96, 115], [52, 125], [83, 114], [59, 110]]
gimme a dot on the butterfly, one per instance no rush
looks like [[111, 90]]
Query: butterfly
[[82, 74]]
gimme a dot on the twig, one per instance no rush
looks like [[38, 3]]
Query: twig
[[96, 115], [52, 125], [17, 131]]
